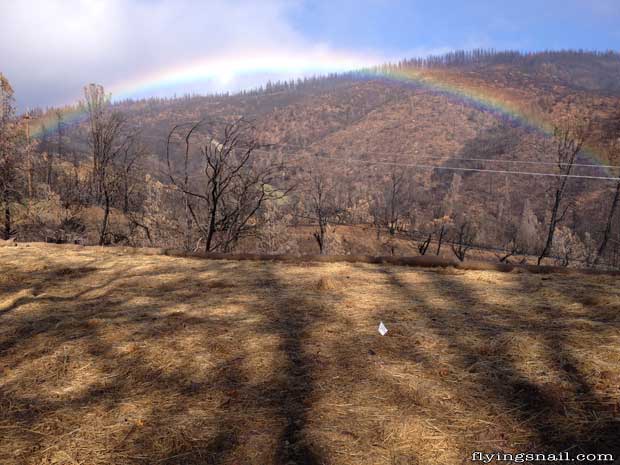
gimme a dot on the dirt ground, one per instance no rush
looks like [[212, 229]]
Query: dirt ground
[[110, 358]]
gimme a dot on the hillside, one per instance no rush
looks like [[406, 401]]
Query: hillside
[[436, 122], [383, 106], [108, 357]]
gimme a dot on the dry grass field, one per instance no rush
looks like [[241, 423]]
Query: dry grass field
[[112, 358]]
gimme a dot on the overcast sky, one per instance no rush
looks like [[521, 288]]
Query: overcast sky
[[50, 48]]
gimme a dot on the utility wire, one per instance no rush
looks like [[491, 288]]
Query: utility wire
[[448, 168], [455, 168], [493, 160], [496, 160]]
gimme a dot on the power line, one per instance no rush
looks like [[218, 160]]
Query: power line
[[496, 160], [455, 168], [493, 160], [448, 168], [452, 168]]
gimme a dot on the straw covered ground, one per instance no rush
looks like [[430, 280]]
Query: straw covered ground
[[110, 358]]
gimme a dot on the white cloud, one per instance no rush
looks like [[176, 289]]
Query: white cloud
[[50, 48]]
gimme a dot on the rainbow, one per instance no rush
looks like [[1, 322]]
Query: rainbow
[[488, 99], [48, 122], [218, 71], [222, 71], [444, 82], [322, 62]]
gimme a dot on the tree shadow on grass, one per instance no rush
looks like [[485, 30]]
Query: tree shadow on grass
[[162, 391], [31, 288], [144, 356], [216, 364], [510, 389], [294, 315]]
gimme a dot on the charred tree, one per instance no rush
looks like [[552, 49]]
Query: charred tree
[[231, 182], [463, 240], [568, 139], [11, 141], [614, 159]]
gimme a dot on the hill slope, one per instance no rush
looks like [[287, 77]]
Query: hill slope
[[380, 119], [362, 128]]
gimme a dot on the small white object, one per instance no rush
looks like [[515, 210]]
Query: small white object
[[382, 329]]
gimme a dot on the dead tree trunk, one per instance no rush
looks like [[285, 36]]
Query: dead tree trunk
[[319, 236], [613, 152], [463, 241], [608, 225], [8, 228], [423, 246], [9, 155], [440, 237], [106, 217], [568, 138]]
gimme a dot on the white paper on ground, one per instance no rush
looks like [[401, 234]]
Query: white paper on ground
[[382, 329]]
